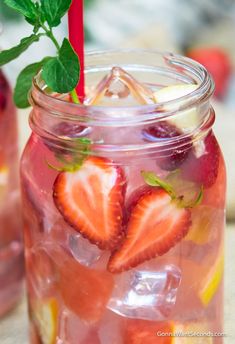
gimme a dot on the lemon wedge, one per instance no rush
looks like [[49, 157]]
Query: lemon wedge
[[185, 119], [4, 175], [204, 221], [46, 318], [212, 280]]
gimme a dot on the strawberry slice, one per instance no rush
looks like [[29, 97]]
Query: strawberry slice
[[91, 200], [155, 225]]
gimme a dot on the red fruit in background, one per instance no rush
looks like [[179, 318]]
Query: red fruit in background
[[217, 62], [204, 168]]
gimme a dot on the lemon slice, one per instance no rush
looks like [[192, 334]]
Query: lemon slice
[[185, 119], [203, 227], [4, 175], [192, 333], [212, 280], [46, 318], [173, 92]]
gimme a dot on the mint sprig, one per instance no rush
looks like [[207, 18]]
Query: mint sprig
[[186, 194], [62, 72]]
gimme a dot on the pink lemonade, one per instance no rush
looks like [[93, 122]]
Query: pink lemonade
[[124, 206], [11, 248]]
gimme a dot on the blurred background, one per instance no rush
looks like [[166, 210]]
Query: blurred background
[[203, 30]]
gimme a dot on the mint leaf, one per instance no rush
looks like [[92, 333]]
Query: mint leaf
[[54, 10], [25, 7], [24, 83], [11, 54], [197, 201], [186, 194], [152, 179], [83, 140], [62, 73], [189, 194]]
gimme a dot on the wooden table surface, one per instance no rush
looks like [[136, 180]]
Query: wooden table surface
[[13, 328]]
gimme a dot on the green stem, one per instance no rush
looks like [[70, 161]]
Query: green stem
[[50, 34], [74, 97], [54, 40]]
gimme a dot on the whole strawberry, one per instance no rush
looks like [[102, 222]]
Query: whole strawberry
[[218, 64], [175, 156]]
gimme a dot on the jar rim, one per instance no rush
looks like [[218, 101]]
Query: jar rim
[[49, 111], [71, 111]]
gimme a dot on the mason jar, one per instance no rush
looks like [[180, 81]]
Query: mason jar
[[11, 247], [123, 201]]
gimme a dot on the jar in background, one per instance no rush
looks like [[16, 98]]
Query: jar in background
[[11, 246]]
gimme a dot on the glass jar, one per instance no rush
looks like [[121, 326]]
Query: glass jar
[[124, 205], [11, 247]]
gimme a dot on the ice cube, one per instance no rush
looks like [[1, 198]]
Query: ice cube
[[71, 329], [147, 295], [117, 89], [119, 84], [83, 251], [43, 273]]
